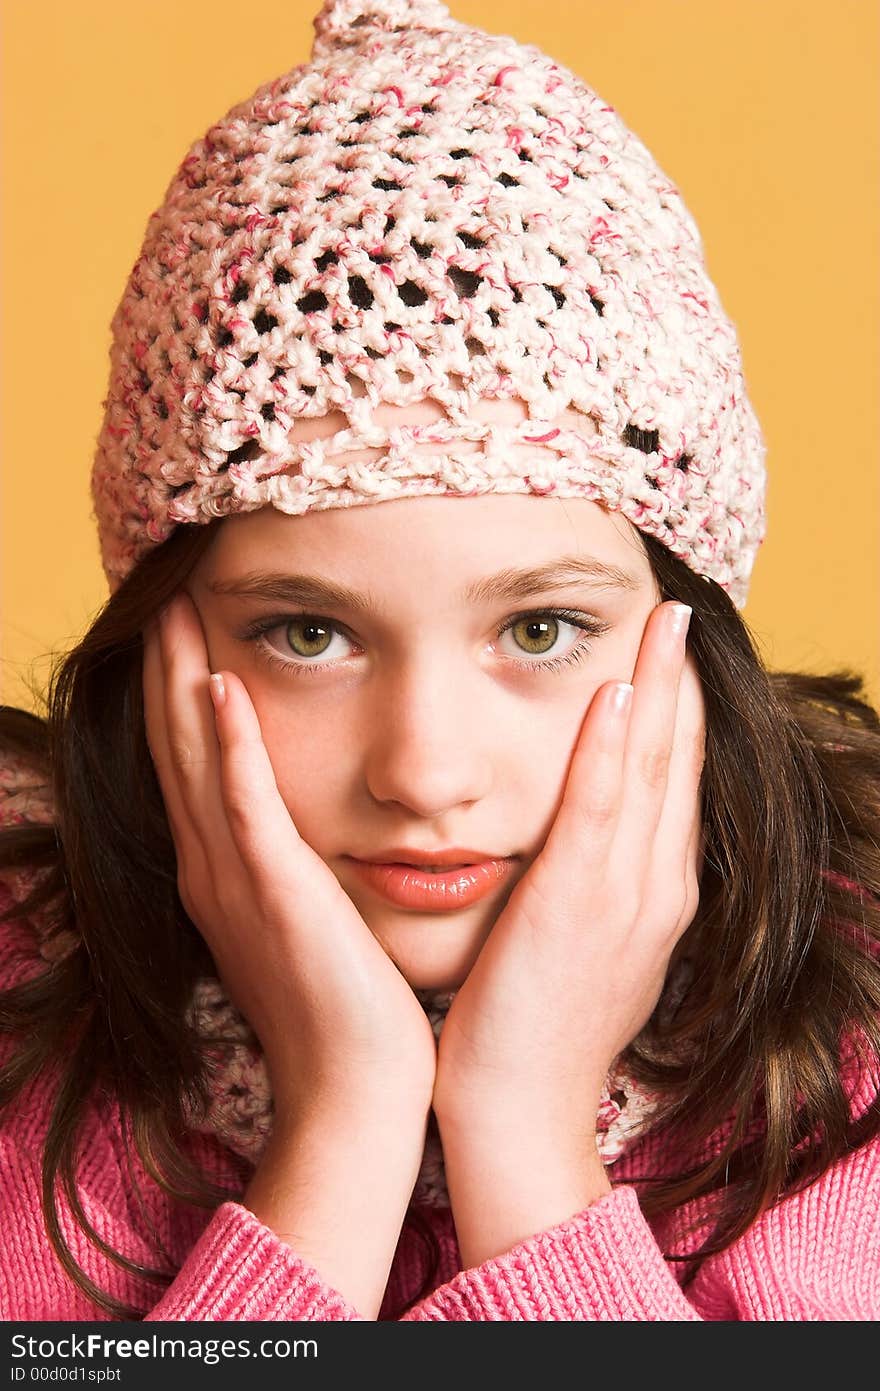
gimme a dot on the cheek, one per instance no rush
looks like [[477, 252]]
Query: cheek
[[310, 763], [538, 770], [554, 739]]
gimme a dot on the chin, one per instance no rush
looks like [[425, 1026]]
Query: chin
[[425, 956], [433, 984]]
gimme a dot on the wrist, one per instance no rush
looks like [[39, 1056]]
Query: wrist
[[506, 1187], [509, 1121], [336, 1187], [530, 1159], [381, 1120], [333, 1103]]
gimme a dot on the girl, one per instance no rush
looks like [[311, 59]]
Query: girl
[[419, 902]]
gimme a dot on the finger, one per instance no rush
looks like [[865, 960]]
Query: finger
[[587, 819], [259, 822], [225, 775], [672, 889], [649, 744], [192, 747], [153, 679]]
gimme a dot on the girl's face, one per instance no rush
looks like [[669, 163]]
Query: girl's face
[[436, 701]]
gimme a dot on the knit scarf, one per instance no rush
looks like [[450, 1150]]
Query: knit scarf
[[239, 1113]]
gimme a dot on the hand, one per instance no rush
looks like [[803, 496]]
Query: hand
[[337, 1021], [576, 961]]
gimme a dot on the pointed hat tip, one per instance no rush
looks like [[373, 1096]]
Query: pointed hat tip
[[340, 23]]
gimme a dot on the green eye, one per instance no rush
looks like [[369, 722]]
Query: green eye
[[536, 635], [316, 637]]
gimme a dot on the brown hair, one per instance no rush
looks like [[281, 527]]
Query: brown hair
[[783, 943]]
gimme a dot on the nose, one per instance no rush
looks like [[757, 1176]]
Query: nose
[[429, 744]]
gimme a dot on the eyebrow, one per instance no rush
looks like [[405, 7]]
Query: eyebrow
[[508, 585]]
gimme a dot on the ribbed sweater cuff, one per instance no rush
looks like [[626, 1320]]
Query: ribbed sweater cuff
[[602, 1264], [239, 1269]]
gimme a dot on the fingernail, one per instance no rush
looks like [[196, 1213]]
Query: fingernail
[[218, 689], [621, 697], [681, 617]]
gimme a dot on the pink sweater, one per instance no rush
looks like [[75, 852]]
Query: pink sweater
[[814, 1256]]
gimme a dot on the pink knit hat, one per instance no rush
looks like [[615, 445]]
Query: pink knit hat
[[426, 210]]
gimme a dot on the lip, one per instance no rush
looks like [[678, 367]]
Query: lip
[[455, 855], [407, 887]]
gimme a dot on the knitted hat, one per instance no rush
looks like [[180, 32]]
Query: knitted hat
[[425, 210]]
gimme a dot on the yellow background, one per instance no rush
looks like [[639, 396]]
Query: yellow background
[[763, 112]]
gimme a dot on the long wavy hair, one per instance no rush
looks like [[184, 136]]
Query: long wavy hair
[[783, 945]]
